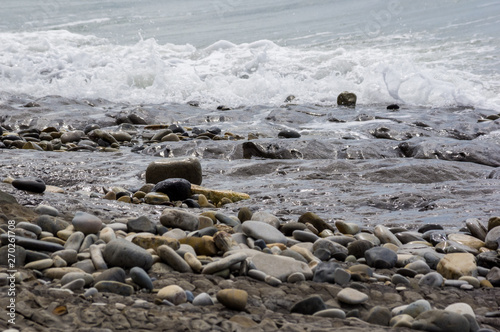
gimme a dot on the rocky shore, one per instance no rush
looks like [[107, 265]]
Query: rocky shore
[[131, 221]]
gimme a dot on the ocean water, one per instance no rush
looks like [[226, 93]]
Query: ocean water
[[434, 54]]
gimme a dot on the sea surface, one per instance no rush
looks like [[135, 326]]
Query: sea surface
[[436, 159], [242, 53]]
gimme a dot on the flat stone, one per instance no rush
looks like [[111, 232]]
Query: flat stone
[[107, 234], [331, 313], [125, 254], [466, 240], [75, 285], [401, 321], [224, 263], [381, 258], [476, 228], [112, 274], [441, 320], [368, 237], [174, 218], [86, 223], [266, 217], [316, 221], [419, 266], [35, 229], [97, 258], [309, 306], [69, 277], [471, 280], [114, 287], [351, 296], [31, 184], [185, 168], [40, 265], [235, 299], [398, 279], [141, 224], [226, 220], [150, 241], [333, 247], [341, 276], [304, 236], [31, 244], [264, 231], [456, 265], [218, 196], [155, 198], [59, 272], [169, 256]]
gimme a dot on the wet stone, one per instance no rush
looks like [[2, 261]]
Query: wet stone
[[177, 189], [30, 184], [114, 287]]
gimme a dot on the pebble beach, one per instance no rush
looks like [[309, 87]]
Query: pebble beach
[[152, 218]]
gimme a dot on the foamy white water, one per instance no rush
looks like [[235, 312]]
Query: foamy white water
[[234, 53]]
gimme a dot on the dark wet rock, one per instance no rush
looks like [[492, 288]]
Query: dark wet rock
[[316, 221], [494, 276], [346, 99], [288, 133], [141, 224], [184, 168], [381, 258], [141, 278], [358, 248], [270, 151], [309, 306], [31, 184], [488, 259], [137, 119], [125, 254], [382, 132], [114, 287], [32, 244], [50, 224], [432, 279], [393, 107]]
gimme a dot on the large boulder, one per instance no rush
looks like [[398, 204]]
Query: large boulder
[[184, 168]]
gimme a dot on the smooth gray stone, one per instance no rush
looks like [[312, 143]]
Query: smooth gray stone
[[324, 272], [492, 240], [141, 278], [174, 218], [494, 276], [37, 230], [476, 228], [257, 275], [304, 236], [141, 224], [386, 236], [90, 292], [264, 231], [50, 224], [266, 217], [114, 287], [224, 263], [296, 277], [127, 255], [419, 266], [226, 220], [203, 299], [358, 248], [74, 285], [332, 246], [270, 280], [331, 313], [88, 241], [74, 241], [381, 258], [32, 244], [341, 276], [173, 259], [71, 276], [416, 308], [432, 279], [398, 279], [112, 274], [46, 209], [69, 255], [379, 315], [86, 223], [86, 265]]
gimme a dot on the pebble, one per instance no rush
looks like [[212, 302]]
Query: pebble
[[203, 299], [141, 224], [278, 266], [494, 276], [31, 244], [112, 274], [296, 277], [74, 241], [72, 276], [97, 259], [266, 217], [125, 254], [456, 265], [59, 272], [90, 292], [173, 218], [419, 266], [386, 236], [288, 133], [304, 236], [185, 168], [204, 245], [86, 223], [416, 308], [193, 262], [351, 296], [224, 263], [347, 228], [107, 234], [379, 315], [31, 184], [398, 279], [401, 321], [264, 231], [331, 313], [492, 240], [155, 198], [381, 258], [35, 229], [461, 308], [235, 299], [141, 278], [40, 265], [173, 259], [226, 220], [341, 276], [309, 306], [114, 287], [368, 237], [150, 241], [358, 248], [74, 285], [173, 294]]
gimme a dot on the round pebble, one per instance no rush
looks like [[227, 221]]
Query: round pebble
[[235, 299], [173, 293], [352, 296]]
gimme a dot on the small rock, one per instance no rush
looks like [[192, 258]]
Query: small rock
[[86, 223], [381, 258], [114, 287], [347, 228], [125, 254], [141, 224], [288, 133], [235, 299], [155, 198], [331, 313], [416, 308], [173, 259], [358, 248], [296, 277], [352, 296], [461, 308], [203, 299], [379, 315], [40, 265], [309, 306], [112, 274], [224, 263], [492, 239], [177, 189], [440, 320], [456, 265], [494, 276], [264, 231], [75, 285], [346, 99], [46, 209], [174, 218], [432, 279]]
